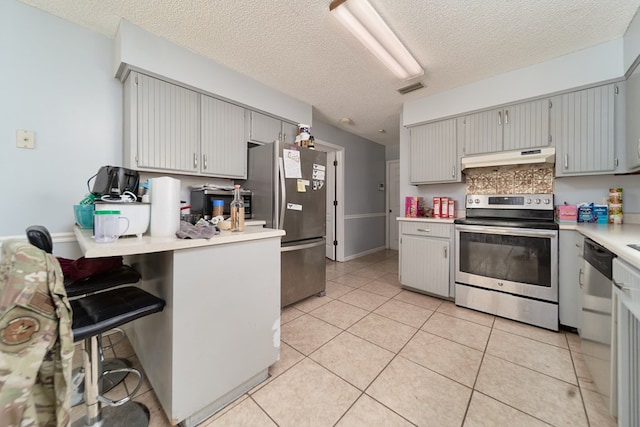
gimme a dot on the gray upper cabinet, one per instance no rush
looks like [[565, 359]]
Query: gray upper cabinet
[[583, 126], [224, 146], [264, 129], [434, 155], [170, 128], [163, 125], [633, 120], [514, 127]]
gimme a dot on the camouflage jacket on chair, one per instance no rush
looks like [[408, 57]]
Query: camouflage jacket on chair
[[36, 341]]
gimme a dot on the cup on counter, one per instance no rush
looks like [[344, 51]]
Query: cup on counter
[[107, 225]]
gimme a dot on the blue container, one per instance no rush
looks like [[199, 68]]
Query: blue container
[[84, 215], [601, 214]]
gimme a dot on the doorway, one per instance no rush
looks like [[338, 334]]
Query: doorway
[[335, 199], [393, 203]]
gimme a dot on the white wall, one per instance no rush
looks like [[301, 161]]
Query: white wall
[[57, 81], [585, 67], [632, 42]]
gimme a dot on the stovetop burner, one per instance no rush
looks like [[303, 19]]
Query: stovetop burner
[[510, 210]]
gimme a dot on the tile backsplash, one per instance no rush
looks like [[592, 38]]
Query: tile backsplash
[[517, 179]]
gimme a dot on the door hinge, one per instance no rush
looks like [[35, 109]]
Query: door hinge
[[615, 162], [550, 103], [335, 203], [136, 80], [335, 243], [617, 90], [550, 138], [335, 163]]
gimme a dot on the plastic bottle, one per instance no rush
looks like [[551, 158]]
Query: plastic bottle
[[237, 211]]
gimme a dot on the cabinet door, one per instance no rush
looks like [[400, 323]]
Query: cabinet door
[[424, 264], [483, 132], [584, 131], [571, 266], [526, 125], [633, 120], [264, 128], [289, 132], [224, 145], [433, 153], [168, 126]]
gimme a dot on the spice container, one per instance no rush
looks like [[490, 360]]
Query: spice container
[[218, 208]]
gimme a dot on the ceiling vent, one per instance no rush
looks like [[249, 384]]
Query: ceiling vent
[[405, 90]]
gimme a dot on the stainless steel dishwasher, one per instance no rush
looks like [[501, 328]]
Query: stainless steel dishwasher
[[595, 334]]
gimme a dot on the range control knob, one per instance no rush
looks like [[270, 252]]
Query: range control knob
[[469, 201], [547, 201], [528, 201], [477, 200], [537, 201]]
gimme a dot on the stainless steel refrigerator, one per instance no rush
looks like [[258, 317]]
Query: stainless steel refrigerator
[[288, 185]]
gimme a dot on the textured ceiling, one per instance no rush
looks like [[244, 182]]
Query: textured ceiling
[[298, 48]]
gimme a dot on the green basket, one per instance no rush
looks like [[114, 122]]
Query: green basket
[[84, 215]]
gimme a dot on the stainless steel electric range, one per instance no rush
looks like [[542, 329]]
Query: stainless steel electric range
[[507, 257]]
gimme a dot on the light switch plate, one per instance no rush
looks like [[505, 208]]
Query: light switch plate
[[25, 139]]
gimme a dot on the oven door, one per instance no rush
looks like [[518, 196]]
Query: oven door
[[519, 261]]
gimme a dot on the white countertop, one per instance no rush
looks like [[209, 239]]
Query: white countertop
[[132, 245], [423, 219], [614, 237]]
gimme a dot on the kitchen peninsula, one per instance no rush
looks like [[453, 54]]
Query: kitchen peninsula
[[220, 330]]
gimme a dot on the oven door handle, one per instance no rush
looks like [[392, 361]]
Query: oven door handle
[[526, 232]]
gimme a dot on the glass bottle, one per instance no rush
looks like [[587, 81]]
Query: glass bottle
[[237, 211]]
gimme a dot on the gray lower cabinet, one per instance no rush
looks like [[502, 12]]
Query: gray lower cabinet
[[626, 342], [426, 257], [583, 127], [570, 265], [514, 127], [171, 128], [434, 155], [265, 129]]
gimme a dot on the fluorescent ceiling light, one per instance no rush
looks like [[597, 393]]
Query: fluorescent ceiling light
[[364, 22]]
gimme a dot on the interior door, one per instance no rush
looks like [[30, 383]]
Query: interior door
[[393, 197]]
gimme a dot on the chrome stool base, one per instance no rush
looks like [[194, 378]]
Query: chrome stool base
[[107, 380], [131, 414]]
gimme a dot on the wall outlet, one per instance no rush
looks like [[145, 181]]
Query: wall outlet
[[25, 139]]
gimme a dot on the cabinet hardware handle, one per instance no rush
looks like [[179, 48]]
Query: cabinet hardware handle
[[445, 252], [620, 286], [426, 230], [195, 160], [453, 172], [580, 274], [566, 161], [204, 161], [499, 118], [506, 117]]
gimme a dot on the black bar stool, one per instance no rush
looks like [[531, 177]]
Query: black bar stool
[[39, 236], [93, 315]]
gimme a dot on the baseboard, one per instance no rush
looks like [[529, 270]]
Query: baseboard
[[56, 237], [361, 254]]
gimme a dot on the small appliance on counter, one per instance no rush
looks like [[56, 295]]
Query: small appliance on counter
[[202, 199], [114, 182], [137, 213]]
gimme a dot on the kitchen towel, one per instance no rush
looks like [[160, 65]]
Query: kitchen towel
[[165, 206]]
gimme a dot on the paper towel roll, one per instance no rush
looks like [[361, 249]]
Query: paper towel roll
[[165, 206]]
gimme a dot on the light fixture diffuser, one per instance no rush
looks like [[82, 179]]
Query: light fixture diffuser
[[359, 17]]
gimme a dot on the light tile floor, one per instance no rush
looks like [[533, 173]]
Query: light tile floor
[[372, 354]]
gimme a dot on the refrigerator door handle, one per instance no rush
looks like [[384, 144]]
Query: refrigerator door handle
[[303, 246], [283, 194]]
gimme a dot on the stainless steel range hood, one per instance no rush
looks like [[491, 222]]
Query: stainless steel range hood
[[505, 158]]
